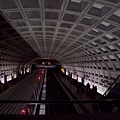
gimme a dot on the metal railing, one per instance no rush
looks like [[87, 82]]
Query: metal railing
[[112, 85], [59, 101]]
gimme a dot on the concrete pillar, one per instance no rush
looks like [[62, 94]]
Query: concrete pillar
[[5, 83]]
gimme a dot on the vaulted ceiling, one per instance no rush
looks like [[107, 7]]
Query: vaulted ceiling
[[70, 31]]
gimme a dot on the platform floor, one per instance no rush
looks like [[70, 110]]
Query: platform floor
[[81, 94]]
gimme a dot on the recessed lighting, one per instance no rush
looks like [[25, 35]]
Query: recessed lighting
[[97, 51], [99, 6], [111, 47], [104, 57], [118, 55], [93, 43], [89, 35], [95, 30], [103, 49], [118, 44], [111, 57], [117, 13], [105, 23], [109, 36], [87, 17], [76, 1]]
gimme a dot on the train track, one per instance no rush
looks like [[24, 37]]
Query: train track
[[55, 92]]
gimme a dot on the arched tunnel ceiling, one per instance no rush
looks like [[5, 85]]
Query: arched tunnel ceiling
[[65, 30], [13, 48]]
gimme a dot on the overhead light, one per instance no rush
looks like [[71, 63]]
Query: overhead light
[[111, 47], [76, 1], [89, 35], [87, 17], [109, 36], [98, 58], [92, 52], [111, 56], [118, 44], [104, 57], [95, 30], [105, 23], [103, 49], [118, 55], [97, 51], [117, 13], [93, 43], [99, 6]]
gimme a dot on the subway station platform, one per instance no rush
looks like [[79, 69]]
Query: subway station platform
[[79, 93], [87, 111]]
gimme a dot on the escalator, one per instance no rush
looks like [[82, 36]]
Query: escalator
[[113, 92]]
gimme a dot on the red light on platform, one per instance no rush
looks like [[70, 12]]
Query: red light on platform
[[39, 78], [42, 72], [23, 112], [43, 63]]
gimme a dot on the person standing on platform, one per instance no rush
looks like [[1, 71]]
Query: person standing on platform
[[88, 88], [95, 91]]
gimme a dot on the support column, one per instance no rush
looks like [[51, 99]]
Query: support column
[[5, 83]]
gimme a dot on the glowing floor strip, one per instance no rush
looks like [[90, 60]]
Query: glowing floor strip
[[43, 106]]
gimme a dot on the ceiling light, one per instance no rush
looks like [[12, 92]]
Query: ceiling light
[[111, 47], [89, 35], [98, 58], [93, 43], [97, 51], [118, 55], [103, 49], [105, 23], [104, 57], [118, 44], [109, 36], [117, 13], [95, 30], [76, 1], [99, 6], [92, 52], [87, 17], [111, 57]]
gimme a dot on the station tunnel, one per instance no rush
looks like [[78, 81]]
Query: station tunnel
[[80, 37]]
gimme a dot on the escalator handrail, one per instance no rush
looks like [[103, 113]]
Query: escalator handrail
[[109, 88]]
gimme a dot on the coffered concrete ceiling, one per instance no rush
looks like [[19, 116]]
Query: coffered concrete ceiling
[[70, 31]]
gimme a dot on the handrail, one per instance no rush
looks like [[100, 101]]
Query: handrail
[[59, 101], [109, 88]]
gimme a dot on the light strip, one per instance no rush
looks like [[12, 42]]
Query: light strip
[[117, 13], [43, 106], [76, 1], [99, 6]]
